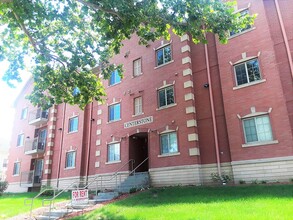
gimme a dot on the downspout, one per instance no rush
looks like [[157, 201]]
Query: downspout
[[213, 110], [89, 143], [61, 145], [284, 36]]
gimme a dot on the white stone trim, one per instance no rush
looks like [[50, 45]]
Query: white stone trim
[[193, 137], [99, 121], [186, 60], [53, 110], [185, 48], [249, 84], [51, 135], [53, 119], [188, 84], [184, 37], [50, 153], [189, 96], [99, 131], [99, 112], [50, 144], [187, 72], [97, 164], [98, 153], [47, 171], [191, 123], [194, 151], [98, 142], [190, 109], [48, 162], [52, 127], [260, 143]]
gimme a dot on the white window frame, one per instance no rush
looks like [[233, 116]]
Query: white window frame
[[70, 128], [137, 67], [24, 112], [165, 91], [20, 140], [16, 168], [109, 107], [169, 147], [164, 61], [246, 71], [138, 105], [70, 164], [117, 147]]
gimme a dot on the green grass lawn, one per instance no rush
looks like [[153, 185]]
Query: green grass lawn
[[202, 203], [12, 204]]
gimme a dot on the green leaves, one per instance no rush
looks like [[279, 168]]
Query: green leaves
[[68, 38]]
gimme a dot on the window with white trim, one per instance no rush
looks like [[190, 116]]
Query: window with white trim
[[114, 112], [70, 159], [137, 67], [138, 105], [247, 72], [16, 168], [113, 152], [73, 124], [163, 55], [168, 143], [166, 96], [257, 129], [243, 13], [20, 140], [114, 78], [23, 114]]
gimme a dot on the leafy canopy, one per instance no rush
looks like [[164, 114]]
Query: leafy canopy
[[66, 39]]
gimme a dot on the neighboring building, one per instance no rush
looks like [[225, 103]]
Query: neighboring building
[[3, 164], [182, 110]]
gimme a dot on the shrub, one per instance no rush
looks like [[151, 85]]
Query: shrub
[[48, 191], [263, 182], [132, 190], [3, 186], [242, 182], [291, 180], [254, 181], [224, 178]]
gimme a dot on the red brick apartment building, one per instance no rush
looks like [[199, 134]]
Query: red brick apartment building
[[182, 111]]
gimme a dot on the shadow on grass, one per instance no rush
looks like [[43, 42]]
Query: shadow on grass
[[171, 195]]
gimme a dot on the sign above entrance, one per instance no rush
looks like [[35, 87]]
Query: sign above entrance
[[138, 122]]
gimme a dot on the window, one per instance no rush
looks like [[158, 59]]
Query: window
[[166, 96], [23, 113], [70, 159], [137, 67], [5, 162], [114, 78], [114, 152], [247, 72], [20, 140], [73, 124], [138, 106], [257, 129], [16, 168], [114, 112], [243, 13], [168, 143], [163, 55]]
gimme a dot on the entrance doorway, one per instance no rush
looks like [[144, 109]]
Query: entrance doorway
[[138, 150]]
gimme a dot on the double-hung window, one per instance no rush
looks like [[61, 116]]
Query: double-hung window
[[138, 106], [166, 96], [257, 129], [73, 124], [70, 159], [114, 78], [137, 67], [114, 152], [114, 112], [164, 55], [243, 13], [168, 143], [16, 168], [247, 72], [20, 140], [23, 114]]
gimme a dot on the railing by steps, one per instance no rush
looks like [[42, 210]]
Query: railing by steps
[[79, 182], [139, 165], [38, 195]]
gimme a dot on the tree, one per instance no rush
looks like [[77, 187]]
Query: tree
[[68, 38]]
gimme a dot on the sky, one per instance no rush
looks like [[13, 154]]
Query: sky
[[7, 97]]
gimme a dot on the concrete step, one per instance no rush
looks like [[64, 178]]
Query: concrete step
[[78, 206], [45, 217], [57, 213], [106, 195]]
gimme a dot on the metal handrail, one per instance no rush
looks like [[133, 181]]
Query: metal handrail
[[133, 171], [51, 200], [32, 199]]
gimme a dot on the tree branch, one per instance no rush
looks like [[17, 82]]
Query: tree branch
[[96, 7]]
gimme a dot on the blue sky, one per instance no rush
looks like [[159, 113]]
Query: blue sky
[[7, 98]]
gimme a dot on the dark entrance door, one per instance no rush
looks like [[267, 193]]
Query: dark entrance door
[[138, 150]]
